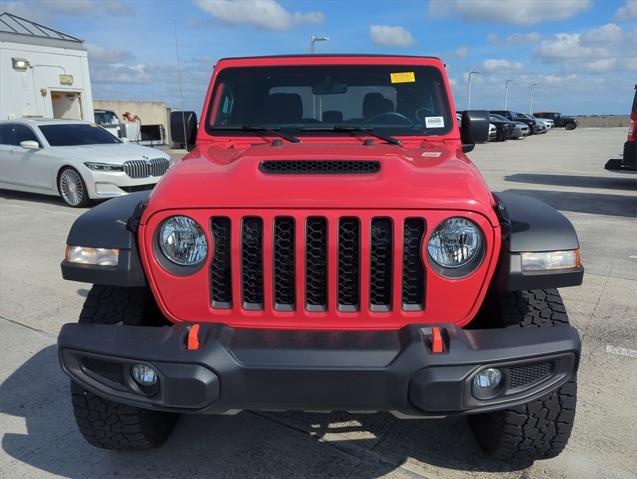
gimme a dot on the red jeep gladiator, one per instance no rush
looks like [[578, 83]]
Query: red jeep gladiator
[[326, 245]]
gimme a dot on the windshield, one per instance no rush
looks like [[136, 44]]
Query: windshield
[[77, 134], [495, 117], [393, 100], [105, 118]]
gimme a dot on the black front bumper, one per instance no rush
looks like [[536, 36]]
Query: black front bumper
[[235, 369]]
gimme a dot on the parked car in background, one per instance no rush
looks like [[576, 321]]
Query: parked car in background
[[524, 129], [78, 161], [493, 132], [629, 160], [519, 117], [506, 129], [559, 121], [539, 125], [108, 120]]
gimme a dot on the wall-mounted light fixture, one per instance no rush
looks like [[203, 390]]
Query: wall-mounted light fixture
[[20, 64]]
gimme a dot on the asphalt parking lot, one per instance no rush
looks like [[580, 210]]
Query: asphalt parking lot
[[564, 169]]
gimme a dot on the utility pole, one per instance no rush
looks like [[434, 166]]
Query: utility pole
[[531, 99], [471, 73], [314, 39], [506, 92]]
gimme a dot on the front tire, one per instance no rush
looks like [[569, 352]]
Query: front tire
[[72, 188], [541, 428], [108, 424], [570, 125]]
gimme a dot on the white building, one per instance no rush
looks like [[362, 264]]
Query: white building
[[43, 72]]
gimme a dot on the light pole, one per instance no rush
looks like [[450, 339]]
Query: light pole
[[469, 89], [506, 92], [315, 39], [531, 99]]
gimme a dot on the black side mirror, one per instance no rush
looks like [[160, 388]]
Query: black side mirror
[[474, 128], [183, 128]]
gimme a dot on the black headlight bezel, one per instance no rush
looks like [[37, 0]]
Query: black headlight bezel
[[465, 270], [168, 264]]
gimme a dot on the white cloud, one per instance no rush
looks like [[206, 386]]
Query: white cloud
[[393, 36], [521, 38], [107, 55], [265, 14], [461, 53], [599, 50], [49, 10], [627, 12], [500, 65], [519, 12]]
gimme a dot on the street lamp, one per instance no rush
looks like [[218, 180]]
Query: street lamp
[[469, 89], [315, 39], [531, 99], [506, 92]]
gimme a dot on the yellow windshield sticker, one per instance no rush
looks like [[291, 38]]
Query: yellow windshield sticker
[[403, 77]]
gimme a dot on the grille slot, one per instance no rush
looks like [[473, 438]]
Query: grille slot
[[413, 290], [145, 169], [349, 264], [220, 267], [319, 167], [380, 281], [316, 264], [521, 376], [252, 262], [108, 370], [284, 264]]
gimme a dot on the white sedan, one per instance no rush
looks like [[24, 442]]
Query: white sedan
[[78, 161]]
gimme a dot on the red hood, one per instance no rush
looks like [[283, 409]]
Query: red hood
[[430, 175]]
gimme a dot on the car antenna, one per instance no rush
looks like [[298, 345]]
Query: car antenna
[[181, 86]]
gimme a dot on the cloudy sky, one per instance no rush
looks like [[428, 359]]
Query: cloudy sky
[[582, 54]]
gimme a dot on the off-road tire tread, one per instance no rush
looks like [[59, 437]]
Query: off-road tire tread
[[541, 428], [108, 424]]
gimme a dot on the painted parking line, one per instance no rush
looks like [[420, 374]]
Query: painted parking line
[[631, 353]]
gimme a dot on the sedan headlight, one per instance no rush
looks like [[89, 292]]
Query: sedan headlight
[[103, 166], [183, 241], [456, 247]]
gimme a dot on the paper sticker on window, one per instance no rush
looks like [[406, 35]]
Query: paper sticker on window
[[434, 122], [402, 77]]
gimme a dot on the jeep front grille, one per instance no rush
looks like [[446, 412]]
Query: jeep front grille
[[292, 262], [144, 169]]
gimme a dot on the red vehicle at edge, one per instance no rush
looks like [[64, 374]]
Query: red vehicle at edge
[[326, 245]]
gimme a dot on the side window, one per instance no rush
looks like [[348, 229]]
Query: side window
[[6, 134], [24, 133]]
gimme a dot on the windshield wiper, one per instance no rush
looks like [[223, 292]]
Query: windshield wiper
[[258, 129], [356, 129]]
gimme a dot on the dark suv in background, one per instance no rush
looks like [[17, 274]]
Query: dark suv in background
[[515, 116], [559, 121]]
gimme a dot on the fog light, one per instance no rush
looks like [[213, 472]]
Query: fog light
[[144, 375], [487, 379]]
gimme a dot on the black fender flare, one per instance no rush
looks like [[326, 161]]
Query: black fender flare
[[112, 224], [530, 225]]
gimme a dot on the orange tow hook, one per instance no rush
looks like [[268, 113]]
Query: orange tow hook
[[437, 346], [193, 338]]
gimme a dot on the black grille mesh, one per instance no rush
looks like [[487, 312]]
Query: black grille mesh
[[381, 265], [319, 167], [252, 262], [220, 269], [413, 267], [284, 264], [109, 370], [316, 264], [348, 264], [522, 375]]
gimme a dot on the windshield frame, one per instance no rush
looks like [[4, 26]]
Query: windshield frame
[[446, 100]]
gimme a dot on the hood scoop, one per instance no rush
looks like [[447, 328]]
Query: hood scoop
[[319, 167]]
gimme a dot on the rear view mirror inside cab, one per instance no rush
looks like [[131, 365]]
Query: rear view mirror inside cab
[[329, 88]]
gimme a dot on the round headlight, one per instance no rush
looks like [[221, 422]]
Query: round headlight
[[182, 241], [454, 243]]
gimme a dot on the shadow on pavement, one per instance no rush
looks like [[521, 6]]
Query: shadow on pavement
[[251, 444], [593, 203], [31, 197], [605, 182]]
